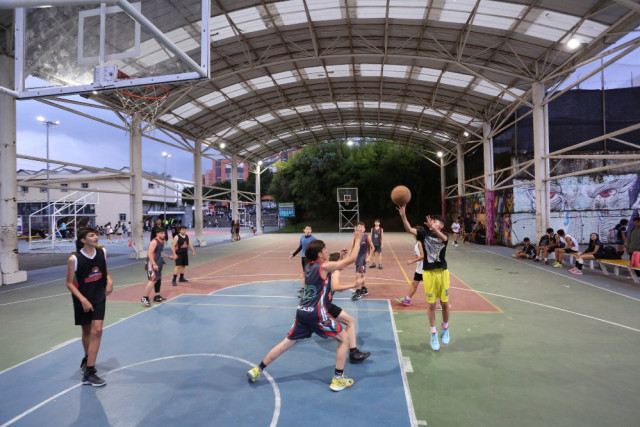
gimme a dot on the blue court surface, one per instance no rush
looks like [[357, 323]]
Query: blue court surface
[[184, 363]]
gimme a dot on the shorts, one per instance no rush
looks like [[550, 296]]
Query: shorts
[[152, 274], [82, 318], [304, 261], [417, 277], [307, 323], [183, 259], [377, 249], [436, 284], [570, 251], [334, 310], [361, 269]]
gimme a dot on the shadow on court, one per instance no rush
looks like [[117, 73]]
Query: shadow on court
[[184, 362]]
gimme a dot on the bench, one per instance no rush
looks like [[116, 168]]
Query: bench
[[572, 260], [616, 264]]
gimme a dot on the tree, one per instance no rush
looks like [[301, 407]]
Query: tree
[[310, 179]]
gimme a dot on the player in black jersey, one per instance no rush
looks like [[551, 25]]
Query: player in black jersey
[[179, 247], [312, 315], [89, 282]]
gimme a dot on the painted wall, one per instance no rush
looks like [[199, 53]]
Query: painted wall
[[579, 205]]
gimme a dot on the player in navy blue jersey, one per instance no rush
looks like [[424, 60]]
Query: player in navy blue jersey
[[312, 315], [377, 233], [89, 290], [365, 249]]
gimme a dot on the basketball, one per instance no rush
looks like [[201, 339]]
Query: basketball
[[400, 195]]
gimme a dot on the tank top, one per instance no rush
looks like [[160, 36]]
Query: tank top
[[376, 236], [183, 244], [364, 250], [91, 276], [317, 290], [157, 253]]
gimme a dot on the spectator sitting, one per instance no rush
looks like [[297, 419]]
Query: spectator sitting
[[567, 245], [527, 252], [595, 250], [479, 234], [548, 243]]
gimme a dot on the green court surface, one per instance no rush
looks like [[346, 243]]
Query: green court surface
[[555, 350]]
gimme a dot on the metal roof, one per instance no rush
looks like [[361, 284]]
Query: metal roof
[[289, 73]]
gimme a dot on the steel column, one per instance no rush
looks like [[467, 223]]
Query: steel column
[[197, 188], [9, 269], [135, 166]]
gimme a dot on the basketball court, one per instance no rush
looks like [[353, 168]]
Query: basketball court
[[528, 342], [530, 345]]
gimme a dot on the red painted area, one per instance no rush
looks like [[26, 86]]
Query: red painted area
[[270, 263]]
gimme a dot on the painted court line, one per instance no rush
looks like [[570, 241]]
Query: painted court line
[[405, 380], [557, 308], [566, 277], [274, 385]]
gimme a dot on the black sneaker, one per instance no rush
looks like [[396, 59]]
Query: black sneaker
[[356, 295], [159, 298], [145, 301], [173, 282], [83, 364], [183, 280], [379, 266], [373, 265], [364, 291], [91, 377], [358, 356]]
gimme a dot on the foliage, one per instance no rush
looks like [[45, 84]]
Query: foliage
[[311, 177]]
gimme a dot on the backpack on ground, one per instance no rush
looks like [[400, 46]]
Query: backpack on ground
[[610, 252]]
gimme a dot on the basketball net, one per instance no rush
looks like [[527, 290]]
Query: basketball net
[[347, 199], [144, 101]]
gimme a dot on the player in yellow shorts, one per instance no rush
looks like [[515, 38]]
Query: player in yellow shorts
[[435, 275]]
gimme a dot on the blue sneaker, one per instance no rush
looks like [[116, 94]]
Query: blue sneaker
[[435, 344], [445, 336]]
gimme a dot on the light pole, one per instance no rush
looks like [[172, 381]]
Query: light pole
[[49, 124], [164, 211]]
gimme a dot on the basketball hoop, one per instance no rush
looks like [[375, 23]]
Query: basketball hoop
[[144, 101], [347, 199]]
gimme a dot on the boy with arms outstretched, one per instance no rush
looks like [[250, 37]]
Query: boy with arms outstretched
[[435, 274], [312, 315], [89, 293]]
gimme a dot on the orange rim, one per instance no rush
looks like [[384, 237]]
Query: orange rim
[[147, 98]]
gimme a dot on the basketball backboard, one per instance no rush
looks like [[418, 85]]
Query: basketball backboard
[[79, 47]]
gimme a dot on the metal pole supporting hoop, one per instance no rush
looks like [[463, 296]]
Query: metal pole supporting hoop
[[348, 207]]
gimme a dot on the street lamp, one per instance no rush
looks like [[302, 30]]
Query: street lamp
[[49, 124], [166, 156]]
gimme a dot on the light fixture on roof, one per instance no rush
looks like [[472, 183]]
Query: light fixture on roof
[[222, 145], [440, 154], [573, 43], [349, 142], [259, 162], [466, 133]]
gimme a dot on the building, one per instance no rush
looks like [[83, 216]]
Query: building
[[95, 197], [222, 172]]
